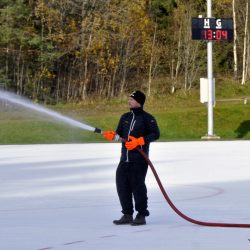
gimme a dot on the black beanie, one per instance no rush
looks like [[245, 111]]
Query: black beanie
[[138, 96]]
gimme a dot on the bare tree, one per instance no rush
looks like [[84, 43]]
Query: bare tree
[[235, 41], [245, 49], [151, 62]]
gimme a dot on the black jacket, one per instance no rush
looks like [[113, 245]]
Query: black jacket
[[137, 123]]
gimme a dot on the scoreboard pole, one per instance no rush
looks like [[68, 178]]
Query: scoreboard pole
[[210, 131], [211, 29]]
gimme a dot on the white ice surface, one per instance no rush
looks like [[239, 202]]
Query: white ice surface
[[64, 197]]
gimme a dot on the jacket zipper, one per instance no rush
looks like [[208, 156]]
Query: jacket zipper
[[132, 124]]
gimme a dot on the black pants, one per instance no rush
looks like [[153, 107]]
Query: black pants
[[130, 183]]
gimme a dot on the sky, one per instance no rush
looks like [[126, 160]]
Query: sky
[[64, 197]]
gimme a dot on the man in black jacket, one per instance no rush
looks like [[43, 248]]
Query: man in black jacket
[[138, 128]]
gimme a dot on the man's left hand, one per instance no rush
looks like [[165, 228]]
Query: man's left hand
[[134, 142]]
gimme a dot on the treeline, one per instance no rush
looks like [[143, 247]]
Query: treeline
[[69, 50]]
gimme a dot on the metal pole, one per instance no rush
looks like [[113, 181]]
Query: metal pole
[[210, 132]]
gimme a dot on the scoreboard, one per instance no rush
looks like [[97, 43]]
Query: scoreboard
[[212, 29]]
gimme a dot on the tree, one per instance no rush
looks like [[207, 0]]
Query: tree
[[69, 50], [246, 46], [235, 41]]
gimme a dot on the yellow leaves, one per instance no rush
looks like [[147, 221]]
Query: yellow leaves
[[108, 63], [109, 36], [97, 23], [46, 74], [77, 54], [60, 37], [73, 25], [224, 2], [113, 62], [40, 10], [50, 17]]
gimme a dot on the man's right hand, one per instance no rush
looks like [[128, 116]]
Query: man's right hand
[[109, 135]]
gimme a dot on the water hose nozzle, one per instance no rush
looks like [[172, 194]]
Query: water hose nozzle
[[98, 131]]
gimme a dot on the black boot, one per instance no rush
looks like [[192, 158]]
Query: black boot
[[125, 219], [139, 220]]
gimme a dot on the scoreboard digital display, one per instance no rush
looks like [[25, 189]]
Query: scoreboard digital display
[[212, 29]]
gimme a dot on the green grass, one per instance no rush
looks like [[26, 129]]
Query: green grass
[[180, 117]]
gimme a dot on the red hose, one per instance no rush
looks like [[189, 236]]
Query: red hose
[[185, 217], [202, 223]]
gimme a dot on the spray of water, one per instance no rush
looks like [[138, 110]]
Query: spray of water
[[10, 97]]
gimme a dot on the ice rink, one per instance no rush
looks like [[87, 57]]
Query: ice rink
[[64, 197]]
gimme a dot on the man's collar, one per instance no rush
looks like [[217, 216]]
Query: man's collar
[[137, 110]]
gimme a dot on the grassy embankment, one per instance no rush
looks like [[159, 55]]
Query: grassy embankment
[[180, 117]]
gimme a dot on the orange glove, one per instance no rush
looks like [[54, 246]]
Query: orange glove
[[134, 142], [109, 135]]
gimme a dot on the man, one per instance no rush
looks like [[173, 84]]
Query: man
[[138, 128]]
